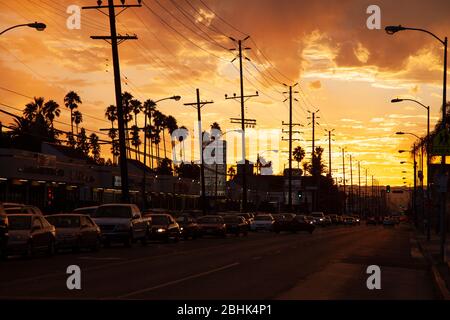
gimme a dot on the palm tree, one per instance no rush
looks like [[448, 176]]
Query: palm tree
[[77, 118], [82, 142], [127, 117], [71, 101], [299, 155], [32, 109], [51, 111], [135, 140], [95, 147], [111, 115], [149, 107], [171, 125], [159, 122]]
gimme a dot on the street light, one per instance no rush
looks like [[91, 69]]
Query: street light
[[144, 176], [39, 26], [392, 30]]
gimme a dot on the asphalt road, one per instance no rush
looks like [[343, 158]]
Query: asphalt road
[[329, 264]]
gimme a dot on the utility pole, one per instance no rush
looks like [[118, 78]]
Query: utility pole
[[351, 184], [290, 124], [343, 171], [313, 155], [114, 39], [329, 150], [199, 105], [372, 205], [359, 188], [242, 98]]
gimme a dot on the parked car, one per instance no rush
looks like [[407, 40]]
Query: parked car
[[349, 221], [356, 220], [212, 225], [188, 226], [122, 223], [11, 205], [327, 221], [249, 218], [319, 218], [86, 210], [29, 234], [24, 209], [262, 222], [371, 221], [75, 231], [297, 224], [388, 221], [334, 218], [3, 232], [164, 228], [310, 220], [236, 225]]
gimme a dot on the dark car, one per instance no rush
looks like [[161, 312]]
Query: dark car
[[297, 224], [164, 228], [212, 225], [236, 225], [90, 211], [75, 231], [188, 226], [23, 209], [3, 232], [371, 221], [29, 234], [249, 218]]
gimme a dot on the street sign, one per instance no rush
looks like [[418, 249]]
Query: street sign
[[441, 143]]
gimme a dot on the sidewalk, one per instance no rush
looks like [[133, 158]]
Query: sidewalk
[[440, 272]]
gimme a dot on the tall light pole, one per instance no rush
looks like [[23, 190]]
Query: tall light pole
[[144, 175], [428, 142], [392, 30], [39, 26]]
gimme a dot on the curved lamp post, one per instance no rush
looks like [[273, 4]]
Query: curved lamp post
[[144, 191], [39, 26], [392, 30]]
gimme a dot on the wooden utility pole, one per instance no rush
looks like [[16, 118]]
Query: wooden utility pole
[[114, 40]]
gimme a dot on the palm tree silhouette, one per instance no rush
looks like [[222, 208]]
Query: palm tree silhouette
[[71, 101], [111, 115], [51, 111], [32, 109], [148, 108], [184, 134], [159, 121], [77, 118], [171, 125], [127, 117], [299, 155], [95, 147]]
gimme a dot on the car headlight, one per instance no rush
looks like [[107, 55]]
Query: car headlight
[[181, 228], [321, 219], [161, 230]]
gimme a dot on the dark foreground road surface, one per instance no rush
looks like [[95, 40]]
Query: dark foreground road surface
[[330, 264]]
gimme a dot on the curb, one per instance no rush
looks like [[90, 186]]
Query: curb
[[438, 281]]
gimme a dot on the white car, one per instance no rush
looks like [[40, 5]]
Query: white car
[[262, 222]]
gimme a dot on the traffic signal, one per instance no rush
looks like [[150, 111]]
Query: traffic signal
[[388, 189]]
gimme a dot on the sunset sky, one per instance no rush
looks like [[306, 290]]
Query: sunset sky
[[348, 72]]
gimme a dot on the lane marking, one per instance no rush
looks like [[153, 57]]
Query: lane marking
[[170, 283]]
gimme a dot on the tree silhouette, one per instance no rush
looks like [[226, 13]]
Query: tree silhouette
[[95, 147], [77, 118], [82, 142], [51, 111], [135, 139], [71, 101], [298, 155]]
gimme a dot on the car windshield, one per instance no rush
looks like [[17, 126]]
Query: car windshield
[[263, 218], [160, 220], [113, 212], [206, 220], [181, 219], [19, 223], [64, 221]]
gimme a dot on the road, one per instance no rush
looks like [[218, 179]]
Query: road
[[329, 264]]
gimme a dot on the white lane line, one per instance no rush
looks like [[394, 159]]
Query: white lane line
[[170, 283]]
